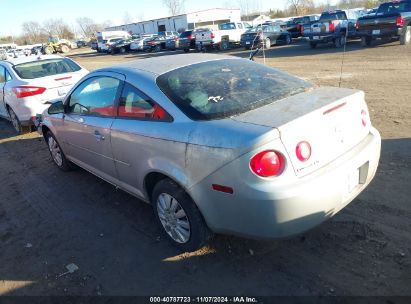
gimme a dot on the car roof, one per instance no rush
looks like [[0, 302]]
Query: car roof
[[31, 58], [162, 64]]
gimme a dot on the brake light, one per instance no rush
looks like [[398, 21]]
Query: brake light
[[299, 27], [302, 29], [364, 118], [357, 25], [303, 151], [212, 35], [27, 91], [400, 21], [190, 37], [267, 164], [332, 27]]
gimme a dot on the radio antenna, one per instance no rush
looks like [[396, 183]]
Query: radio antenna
[[343, 57]]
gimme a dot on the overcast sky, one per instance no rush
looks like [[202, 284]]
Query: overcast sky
[[15, 12]]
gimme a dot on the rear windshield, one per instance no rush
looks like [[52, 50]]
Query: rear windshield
[[185, 34], [394, 7], [43, 68], [227, 26], [326, 17], [223, 88]]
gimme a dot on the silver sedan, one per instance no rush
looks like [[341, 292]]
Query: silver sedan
[[218, 144]]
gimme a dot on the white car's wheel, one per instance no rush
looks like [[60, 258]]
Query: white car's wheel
[[15, 121], [178, 216]]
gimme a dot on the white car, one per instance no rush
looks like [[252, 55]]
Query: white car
[[28, 83], [107, 43], [138, 44]]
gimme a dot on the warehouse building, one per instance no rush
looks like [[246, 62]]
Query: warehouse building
[[207, 18]]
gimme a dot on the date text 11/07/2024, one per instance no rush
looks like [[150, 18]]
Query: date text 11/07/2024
[[203, 300]]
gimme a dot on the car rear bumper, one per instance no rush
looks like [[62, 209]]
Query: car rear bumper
[[377, 33], [274, 209], [321, 38]]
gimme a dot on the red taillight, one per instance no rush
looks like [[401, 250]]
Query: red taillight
[[357, 25], [364, 118], [332, 27], [302, 29], [212, 35], [303, 151], [27, 91], [299, 27], [191, 37], [400, 21], [267, 164]]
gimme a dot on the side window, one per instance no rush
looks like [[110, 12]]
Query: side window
[[2, 75], [135, 104], [239, 25], [95, 96]]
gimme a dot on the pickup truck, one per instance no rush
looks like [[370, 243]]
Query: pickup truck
[[294, 26], [392, 20], [227, 34], [333, 26]]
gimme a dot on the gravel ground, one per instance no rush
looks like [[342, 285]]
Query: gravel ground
[[49, 219]]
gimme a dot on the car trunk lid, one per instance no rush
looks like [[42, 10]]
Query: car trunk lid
[[329, 119], [56, 85]]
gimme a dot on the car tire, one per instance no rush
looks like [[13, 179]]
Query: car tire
[[186, 50], [366, 41], [267, 43], [122, 50], [15, 121], [224, 45], [65, 49], [313, 45], [288, 39], [339, 42], [405, 38], [49, 50], [56, 153], [157, 48], [178, 216]]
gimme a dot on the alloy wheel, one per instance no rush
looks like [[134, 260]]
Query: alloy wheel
[[173, 218], [55, 151]]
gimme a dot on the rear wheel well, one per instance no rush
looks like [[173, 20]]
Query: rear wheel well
[[151, 180]]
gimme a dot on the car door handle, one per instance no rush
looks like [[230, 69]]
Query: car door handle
[[98, 136]]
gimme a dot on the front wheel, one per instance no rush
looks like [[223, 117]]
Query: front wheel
[[56, 153], [178, 216], [288, 40], [405, 38], [122, 50], [157, 48]]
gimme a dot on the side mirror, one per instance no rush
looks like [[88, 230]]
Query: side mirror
[[56, 108]]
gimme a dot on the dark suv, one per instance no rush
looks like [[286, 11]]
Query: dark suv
[[186, 41]]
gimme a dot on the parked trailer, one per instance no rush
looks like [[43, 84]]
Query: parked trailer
[[101, 36]]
